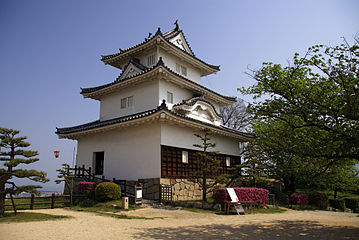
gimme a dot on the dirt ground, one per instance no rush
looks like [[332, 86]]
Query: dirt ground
[[173, 223]]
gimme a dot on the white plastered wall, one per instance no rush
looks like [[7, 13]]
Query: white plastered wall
[[130, 153], [145, 97], [173, 135], [179, 94], [171, 60]]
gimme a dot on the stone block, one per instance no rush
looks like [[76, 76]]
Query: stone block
[[173, 181], [176, 187], [165, 181], [185, 192]]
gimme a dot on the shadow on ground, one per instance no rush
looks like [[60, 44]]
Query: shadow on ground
[[274, 230]]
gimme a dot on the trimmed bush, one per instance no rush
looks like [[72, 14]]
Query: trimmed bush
[[352, 203], [320, 200], [337, 203], [257, 195], [107, 191]]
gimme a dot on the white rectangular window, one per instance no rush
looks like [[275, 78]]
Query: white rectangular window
[[228, 161], [184, 157], [178, 68], [169, 97], [130, 101], [150, 60], [127, 102], [123, 103], [183, 70]]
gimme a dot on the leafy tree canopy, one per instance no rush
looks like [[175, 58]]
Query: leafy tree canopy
[[13, 154], [308, 122]]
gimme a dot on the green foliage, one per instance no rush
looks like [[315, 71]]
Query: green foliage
[[308, 123], [107, 191], [337, 204], [13, 154], [352, 203], [66, 176], [87, 203], [319, 200]]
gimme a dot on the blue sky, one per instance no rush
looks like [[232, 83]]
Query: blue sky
[[49, 49]]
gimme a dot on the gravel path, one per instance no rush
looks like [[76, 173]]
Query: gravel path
[[173, 223]]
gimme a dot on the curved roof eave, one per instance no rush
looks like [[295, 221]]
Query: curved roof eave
[[108, 59], [72, 132], [95, 91]]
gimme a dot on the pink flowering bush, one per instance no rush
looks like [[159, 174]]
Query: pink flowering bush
[[299, 199], [257, 195], [86, 187]]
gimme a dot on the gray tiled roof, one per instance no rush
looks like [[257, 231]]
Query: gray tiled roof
[[162, 107], [167, 39], [159, 63]]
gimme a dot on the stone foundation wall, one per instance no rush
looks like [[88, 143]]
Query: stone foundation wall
[[182, 189]]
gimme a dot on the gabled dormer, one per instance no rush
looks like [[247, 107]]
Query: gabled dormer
[[177, 38], [176, 49], [200, 109], [132, 68]]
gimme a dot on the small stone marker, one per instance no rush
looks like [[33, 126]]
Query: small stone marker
[[125, 203]]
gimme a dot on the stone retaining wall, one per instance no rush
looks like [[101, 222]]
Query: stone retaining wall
[[182, 189]]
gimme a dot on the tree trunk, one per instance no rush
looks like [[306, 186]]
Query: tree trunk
[[335, 193], [204, 189], [2, 200]]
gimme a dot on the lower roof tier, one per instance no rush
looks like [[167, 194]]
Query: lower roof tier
[[161, 113]]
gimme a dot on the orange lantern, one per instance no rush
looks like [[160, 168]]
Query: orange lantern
[[57, 153]]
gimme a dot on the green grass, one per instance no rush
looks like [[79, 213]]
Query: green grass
[[29, 217], [105, 207], [269, 210], [201, 210], [303, 207], [109, 209]]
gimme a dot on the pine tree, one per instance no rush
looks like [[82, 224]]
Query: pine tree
[[12, 154], [207, 162]]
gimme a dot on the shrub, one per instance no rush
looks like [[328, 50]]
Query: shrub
[[337, 203], [352, 203], [318, 199], [299, 199], [257, 195], [86, 187], [87, 203], [281, 198], [107, 191]]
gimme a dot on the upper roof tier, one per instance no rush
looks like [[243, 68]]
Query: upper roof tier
[[139, 75], [173, 41]]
